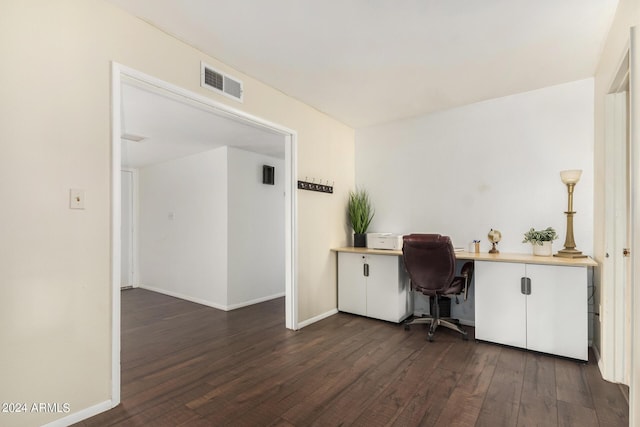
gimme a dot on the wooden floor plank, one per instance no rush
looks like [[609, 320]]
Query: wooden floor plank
[[421, 374], [185, 364], [538, 400], [571, 383], [427, 401], [573, 415], [464, 405], [347, 406], [610, 409], [502, 401]]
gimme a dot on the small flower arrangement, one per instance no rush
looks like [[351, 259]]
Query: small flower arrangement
[[537, 237]]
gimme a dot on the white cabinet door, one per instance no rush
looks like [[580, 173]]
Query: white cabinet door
[[557, 310], [386, 293], [352, 290], [499, 303], [373, 286]]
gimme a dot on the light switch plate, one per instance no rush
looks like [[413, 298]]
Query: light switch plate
[[76, 199]]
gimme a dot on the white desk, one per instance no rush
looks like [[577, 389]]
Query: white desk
[[484, 256], [551, 317]]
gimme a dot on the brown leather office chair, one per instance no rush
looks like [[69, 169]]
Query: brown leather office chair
[[431, 263]]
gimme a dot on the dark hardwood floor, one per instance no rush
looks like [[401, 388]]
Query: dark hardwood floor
[[185, 364]]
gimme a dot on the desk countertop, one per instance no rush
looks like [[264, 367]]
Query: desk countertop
[[484, 256]]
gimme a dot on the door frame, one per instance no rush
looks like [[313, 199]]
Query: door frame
[[634, 164], [134, 225], [121, 72], [614, 299]]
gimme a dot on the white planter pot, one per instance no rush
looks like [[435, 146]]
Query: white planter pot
[[544, 250]]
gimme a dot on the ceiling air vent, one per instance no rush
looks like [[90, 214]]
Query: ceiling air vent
[[220, 82]]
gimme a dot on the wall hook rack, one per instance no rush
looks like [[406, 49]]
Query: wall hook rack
[[313, 186]]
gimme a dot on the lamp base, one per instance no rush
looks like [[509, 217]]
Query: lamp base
[[570, 253]]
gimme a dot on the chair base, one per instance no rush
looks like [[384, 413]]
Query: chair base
[[453, 324]]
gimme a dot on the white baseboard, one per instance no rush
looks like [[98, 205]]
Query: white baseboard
[[81, 415], [317, 318], [209, 303], [184, 297], [255, 301], [237, 305], [596, 353]]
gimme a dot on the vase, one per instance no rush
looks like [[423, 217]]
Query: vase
[[542, 250], [359, 240]]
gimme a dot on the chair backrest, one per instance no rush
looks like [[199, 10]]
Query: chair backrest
[[430, 261]]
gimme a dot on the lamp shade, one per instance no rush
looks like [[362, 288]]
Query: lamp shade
[[571, 176]]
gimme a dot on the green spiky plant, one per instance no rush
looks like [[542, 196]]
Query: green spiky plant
[[360, 211]]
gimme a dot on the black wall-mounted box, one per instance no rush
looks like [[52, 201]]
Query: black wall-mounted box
[[268, 174]]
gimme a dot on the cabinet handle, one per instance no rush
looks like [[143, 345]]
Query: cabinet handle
[[366, 270], [525, 285]]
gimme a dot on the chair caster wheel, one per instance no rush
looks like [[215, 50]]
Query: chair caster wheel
[[430, 338], [465, 338], [407, 327]]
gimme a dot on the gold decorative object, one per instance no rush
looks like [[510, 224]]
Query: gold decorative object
[[570, 178], [494, 237]]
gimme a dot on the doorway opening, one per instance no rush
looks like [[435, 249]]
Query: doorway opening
[[123, 76]]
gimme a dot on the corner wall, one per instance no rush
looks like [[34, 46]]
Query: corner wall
[[210, 231]]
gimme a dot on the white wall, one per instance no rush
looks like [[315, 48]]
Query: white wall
[[183, 227], [256, 229], [210, 231], [493, 164]]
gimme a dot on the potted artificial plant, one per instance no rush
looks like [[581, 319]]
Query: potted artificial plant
[[541, 240], [360, 216]]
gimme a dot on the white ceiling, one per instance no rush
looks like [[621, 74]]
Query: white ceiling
[[175, 127], [371, 61]]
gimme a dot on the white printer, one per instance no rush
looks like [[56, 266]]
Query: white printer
[[384, 241]]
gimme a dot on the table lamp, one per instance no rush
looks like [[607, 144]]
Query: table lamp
[[570, 178]]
